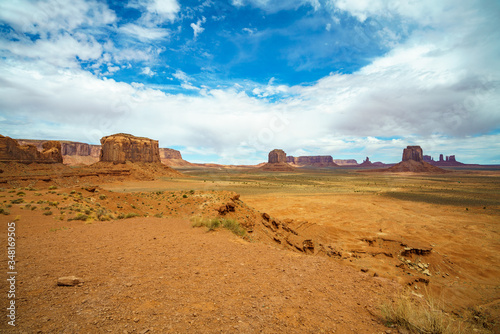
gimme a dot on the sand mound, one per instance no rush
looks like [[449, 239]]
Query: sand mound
[[277, 167], [416, 167], [138, 170]]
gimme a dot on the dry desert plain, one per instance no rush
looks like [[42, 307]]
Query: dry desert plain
[[334, 246]]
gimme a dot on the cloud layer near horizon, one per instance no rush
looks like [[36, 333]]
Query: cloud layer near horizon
[[438, 86]]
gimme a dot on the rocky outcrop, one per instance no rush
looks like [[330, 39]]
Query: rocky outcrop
[[443, 161], [317, 161], [80, 149], [123, 147], [173, 158], [277, 156], [277, 162], [168, 153], [345, 162], [11, 150], [414, 153], [413, 162]]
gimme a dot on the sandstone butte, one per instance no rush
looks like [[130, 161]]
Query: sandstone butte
[[10, 150], [122, 147], [317, 161], [277, 162], [413, 161]]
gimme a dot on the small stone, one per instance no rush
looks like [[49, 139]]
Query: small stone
[[144, 331], [69, 281], [426, 272]]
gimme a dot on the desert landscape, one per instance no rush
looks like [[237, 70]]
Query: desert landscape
[[129, 245], [250, 166]]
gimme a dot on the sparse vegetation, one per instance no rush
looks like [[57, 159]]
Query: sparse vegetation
[[214, 223], [79, 216], [423, 314], [47, 213]]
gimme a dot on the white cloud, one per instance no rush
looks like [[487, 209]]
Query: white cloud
[[328, 27], [147, 71], [181, 76], [156, 12], [197, 28], [52, 16], [144, 33]]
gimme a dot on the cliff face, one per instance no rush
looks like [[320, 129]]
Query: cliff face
[[168, 153], [317, 160], [345, 162], [414, 153], [80, 149], [277, 156], [123, 147], [11, 150]]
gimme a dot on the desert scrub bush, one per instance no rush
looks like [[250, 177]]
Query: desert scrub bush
[[79, 216], [52, 188], [104, 215], [47, 213], [421, 314], [184, 196], [21, 193], [159, 215], [4, 212], [214, 223], [102, 197], [17, 201]]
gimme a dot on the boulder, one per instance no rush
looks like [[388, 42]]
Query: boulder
[[277, 156], [414, 153], [122, 147]]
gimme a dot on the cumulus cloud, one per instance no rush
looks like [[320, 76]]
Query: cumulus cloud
[[156, 11], [438, 88]]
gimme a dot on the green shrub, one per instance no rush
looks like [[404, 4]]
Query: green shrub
[[52, 188], [47, 213], [17, 201], [4, 212]]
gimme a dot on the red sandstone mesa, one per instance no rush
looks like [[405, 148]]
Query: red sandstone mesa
[[10, 150], [123, 147]]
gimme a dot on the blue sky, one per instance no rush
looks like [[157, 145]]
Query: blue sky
[[228, 81]]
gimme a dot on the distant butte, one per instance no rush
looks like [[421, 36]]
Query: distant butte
[[412, 161], [277, 162], [316, 161]]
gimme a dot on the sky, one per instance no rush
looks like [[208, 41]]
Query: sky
[[228, 81]]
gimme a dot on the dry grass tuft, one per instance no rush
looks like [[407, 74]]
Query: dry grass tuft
[[413, 313]]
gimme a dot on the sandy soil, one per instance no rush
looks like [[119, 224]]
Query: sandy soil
[[160, 275]]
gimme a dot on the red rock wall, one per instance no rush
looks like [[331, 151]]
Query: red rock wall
[[168, 153], [124, 147], [277, 156], [414, 153], [11, 150]]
